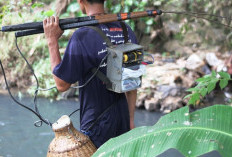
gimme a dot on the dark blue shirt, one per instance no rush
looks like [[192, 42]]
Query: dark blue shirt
[[85, 50]]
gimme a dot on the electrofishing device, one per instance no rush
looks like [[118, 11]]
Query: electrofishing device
[[124, 64], [124, 67]]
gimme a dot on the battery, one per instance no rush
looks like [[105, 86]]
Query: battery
[[132, 56]]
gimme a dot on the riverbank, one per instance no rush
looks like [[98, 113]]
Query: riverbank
[[165, 83]]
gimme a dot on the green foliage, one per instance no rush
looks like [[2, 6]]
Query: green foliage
[[44, 75], [73, 9], [34, 48], [132, 6], [207, 84], [193, 134], [48, 13]]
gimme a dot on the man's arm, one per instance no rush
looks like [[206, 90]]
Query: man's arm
[[53, 33], [131, 97]]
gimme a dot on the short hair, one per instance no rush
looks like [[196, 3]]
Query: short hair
[[96, 1]]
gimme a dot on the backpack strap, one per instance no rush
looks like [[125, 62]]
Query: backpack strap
[[106, 39], [99, 74], [102, 34], [125, 32], [102, 77]]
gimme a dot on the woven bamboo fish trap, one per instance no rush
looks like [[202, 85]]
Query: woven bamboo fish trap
[[69, 142]]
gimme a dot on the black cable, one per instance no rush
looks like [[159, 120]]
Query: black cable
[[36, 91], [36, 112], [73, 112], [193, 15], [24, 106], [32, 71], [77, 87]]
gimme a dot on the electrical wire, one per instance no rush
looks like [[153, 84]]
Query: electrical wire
[[149, 62], [36, 91], [24, 106], [77, 87], [36, 111], [201, 13], [193, 14]]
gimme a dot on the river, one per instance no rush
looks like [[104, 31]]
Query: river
[[19, 137]]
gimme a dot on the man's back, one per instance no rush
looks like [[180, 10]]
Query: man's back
[[85, 51]]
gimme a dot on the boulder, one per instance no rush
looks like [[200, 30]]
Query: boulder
[[170, 104], [194, 62], [152, 104]]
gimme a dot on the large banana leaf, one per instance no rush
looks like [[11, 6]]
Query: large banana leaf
[[193, 134]]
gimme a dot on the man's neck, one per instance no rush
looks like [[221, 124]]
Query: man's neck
[[94, 9]]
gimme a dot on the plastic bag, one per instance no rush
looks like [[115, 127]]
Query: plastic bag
[[131, 77], [130, 84], [133, 72]]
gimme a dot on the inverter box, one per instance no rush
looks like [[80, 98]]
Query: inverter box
[[124, 68]]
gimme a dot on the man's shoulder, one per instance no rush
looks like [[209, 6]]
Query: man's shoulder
[[84, 33]]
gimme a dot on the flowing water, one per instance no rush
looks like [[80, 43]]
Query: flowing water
[[19, 137]]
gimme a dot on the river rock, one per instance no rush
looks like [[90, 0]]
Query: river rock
[[212, 59], [170, 104], [141, 100], [152, 104], [216, 63], [194, 62]]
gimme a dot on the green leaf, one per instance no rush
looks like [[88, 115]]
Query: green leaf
[[201, 79], [223, 83], [203, 92], [192, 134], [214, 74], [224, 75], [194, 98], [73, 7], [149, 21], [49, 13], [211, 86], [187, 96], [192, 89], [117, 8], [37, 5], [129, 2], [20, 14]]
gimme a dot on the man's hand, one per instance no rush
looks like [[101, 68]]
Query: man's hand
[[52, 34], [52, 29]]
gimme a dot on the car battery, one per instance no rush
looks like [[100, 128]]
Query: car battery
[[124, 67]]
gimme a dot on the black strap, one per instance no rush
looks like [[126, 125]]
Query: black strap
[[106, 39], [99, 74], [125, 32], [100, 32], [102, 77]]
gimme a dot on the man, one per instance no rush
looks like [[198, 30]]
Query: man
[[85, 51]]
